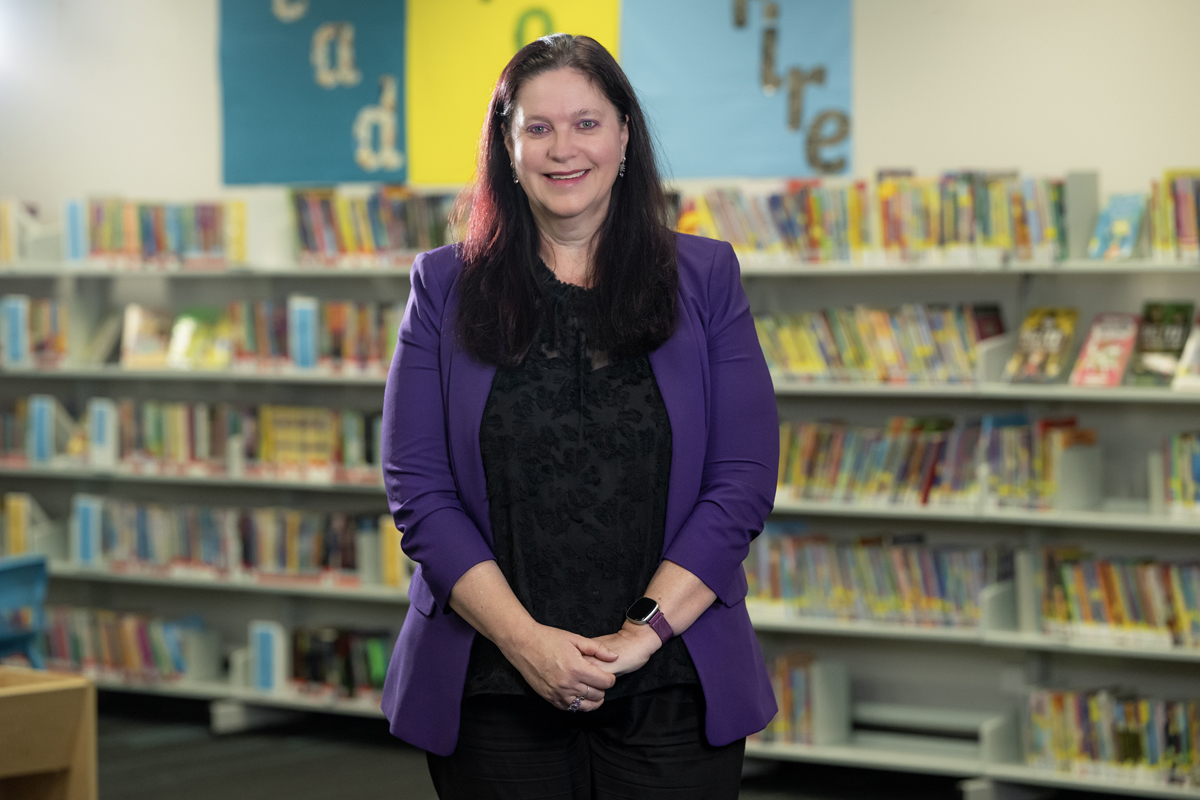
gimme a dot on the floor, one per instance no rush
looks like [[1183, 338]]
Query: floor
[[154, 748]]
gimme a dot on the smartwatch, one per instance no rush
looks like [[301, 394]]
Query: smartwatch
[[645, 611]]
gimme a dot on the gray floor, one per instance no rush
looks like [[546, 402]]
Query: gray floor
[[160, 749]]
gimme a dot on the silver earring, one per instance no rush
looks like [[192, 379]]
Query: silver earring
[[621, 169], [514, 173]]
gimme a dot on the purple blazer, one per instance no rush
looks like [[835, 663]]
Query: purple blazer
[[724, 461]]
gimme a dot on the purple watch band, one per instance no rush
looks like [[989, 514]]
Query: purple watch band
[[660, 625]]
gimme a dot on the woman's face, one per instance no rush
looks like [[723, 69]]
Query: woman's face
[[566, 143]]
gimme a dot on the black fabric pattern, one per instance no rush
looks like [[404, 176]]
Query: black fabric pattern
[[577, 456]]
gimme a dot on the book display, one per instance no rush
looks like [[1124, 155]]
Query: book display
[[957, 390]]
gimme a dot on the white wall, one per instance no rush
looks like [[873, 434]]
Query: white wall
[[1041, 85], [115, 96], [122, 96]]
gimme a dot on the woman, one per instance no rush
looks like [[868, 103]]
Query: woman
[[580, 442]]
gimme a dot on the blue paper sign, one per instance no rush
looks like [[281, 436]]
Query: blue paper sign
[[313, 91], [743, 87]]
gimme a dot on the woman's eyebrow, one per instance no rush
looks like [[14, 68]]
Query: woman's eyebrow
[[583, 112]]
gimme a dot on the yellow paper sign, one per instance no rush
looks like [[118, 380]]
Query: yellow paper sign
[[456, 50]]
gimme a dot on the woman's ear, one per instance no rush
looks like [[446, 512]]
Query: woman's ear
[[624, 135]]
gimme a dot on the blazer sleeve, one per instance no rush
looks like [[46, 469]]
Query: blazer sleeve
[[421, 490], [741, 462]]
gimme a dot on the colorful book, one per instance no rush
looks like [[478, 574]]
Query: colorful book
[[1044, 345], [1107, 350], [1164, 332]]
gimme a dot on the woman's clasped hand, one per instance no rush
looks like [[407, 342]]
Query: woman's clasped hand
[[562, 666]]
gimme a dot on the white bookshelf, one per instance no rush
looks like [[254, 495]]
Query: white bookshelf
[[114, 372], [774, 617], [81, 473], [763, 265], [216, 690], [752, 265], [786, 386], [51, 269], [268, 584], [875, 751], [1114, 514]]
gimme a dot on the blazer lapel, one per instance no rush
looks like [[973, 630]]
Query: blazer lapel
[[678, 369]]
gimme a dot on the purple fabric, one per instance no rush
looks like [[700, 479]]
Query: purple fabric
[[725, 452]]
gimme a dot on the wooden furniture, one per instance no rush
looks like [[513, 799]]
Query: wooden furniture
[[47, 736]]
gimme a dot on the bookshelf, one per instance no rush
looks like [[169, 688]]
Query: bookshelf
[[910, 655]]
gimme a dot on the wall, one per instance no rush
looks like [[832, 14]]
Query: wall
[[122, 96]]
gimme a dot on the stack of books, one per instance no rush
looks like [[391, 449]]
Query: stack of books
[[896, 579], [33, 332], [961, 218], [911, 344], [1132, 603], [1181, 469], [302, 333], [1174, 213], [1114, 735], [340, 663], [322, 445], [128, 234], [336, 228], [791, 680], [261, 544], [130, 647], [1003, 461]]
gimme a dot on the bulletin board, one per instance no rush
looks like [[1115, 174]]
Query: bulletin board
[[325, 91]]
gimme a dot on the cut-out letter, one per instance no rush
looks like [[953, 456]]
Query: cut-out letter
[[289, 10], [770, 77], [336, 38], [818, 137], [798, 79], [378, 120], [539, 14]]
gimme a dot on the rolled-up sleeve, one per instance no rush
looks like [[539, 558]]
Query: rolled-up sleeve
[[737, 487], [421, 491]]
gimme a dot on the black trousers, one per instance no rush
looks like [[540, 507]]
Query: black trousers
[[650, 745]]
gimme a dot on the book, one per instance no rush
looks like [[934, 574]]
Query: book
[[145, 338], [1118, 228], [86, 530], [1187, 374], [1044, 345], [270, 656], [201, 338], [1106, 351], [103, 433], [302, 331], [1164, 332], [16, 352]]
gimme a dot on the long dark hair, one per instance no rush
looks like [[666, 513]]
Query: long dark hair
[[634, 277]]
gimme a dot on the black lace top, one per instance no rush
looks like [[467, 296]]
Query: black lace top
[[577, 455]]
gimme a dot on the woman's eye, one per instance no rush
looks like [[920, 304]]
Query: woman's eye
[[587, 124]]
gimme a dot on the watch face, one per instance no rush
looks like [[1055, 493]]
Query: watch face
[[642, 610]]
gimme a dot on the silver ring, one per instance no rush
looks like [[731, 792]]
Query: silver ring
[[588, 693], [575, 704]]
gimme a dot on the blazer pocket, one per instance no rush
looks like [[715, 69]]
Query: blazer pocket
[[420, 596]]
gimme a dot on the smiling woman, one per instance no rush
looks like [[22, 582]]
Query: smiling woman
[[580, 441]]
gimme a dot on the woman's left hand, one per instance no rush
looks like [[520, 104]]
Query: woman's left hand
[[633, 644]]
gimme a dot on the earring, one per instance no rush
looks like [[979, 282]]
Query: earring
[[513, 170], [621, 169]]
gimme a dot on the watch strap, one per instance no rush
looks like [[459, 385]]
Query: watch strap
[[660, 626]]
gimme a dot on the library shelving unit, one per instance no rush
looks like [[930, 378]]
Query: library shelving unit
[[957, 674]]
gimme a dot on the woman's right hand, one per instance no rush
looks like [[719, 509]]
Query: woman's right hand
[[554, 663]]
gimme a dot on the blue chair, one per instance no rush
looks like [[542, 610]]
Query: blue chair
[[23, 585]]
